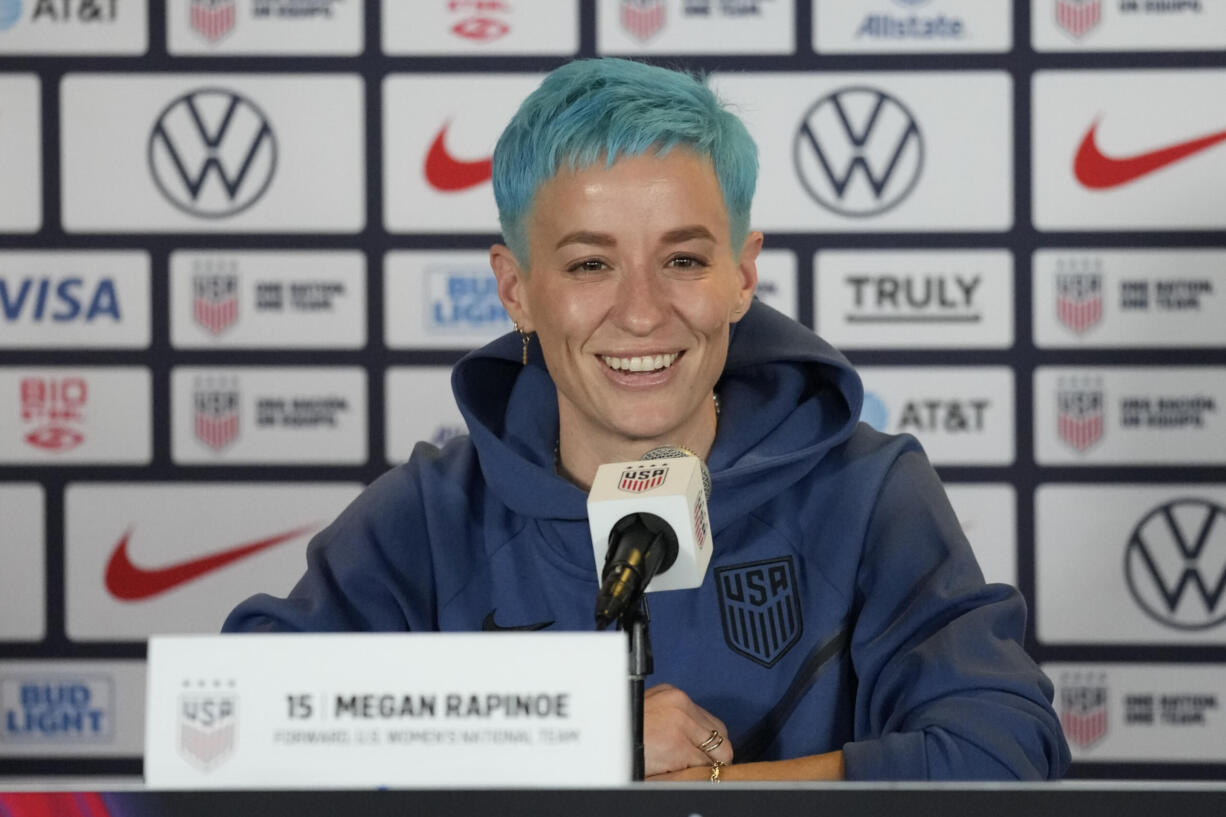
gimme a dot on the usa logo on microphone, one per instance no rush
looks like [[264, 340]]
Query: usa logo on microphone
[[637, 479], [700, 524]]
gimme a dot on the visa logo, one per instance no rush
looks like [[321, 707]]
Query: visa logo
[[42, 299]]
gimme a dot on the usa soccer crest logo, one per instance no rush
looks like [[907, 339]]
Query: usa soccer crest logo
[[213, 19], [1083, 710], [759, 608], [642, 478], [700, 524], [217, 413], [208, 724], [215, 301], [1079, 17], [1080, 415], [1079, 300], [642, 19]]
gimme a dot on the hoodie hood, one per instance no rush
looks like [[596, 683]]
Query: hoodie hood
[[787, 397]]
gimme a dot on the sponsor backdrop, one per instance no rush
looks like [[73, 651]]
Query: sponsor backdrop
[[242, 242]]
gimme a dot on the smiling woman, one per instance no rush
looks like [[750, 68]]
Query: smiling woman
[[844, 629], [631, 290]]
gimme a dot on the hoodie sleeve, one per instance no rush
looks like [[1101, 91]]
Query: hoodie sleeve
[[370, 570], [946, 690]]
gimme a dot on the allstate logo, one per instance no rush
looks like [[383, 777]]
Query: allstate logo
[[874, 412], [10, 13]]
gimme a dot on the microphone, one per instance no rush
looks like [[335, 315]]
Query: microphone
[[649, 520]]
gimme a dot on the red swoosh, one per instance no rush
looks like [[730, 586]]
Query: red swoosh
[[449, 174], [128, 582], [1099, 172]]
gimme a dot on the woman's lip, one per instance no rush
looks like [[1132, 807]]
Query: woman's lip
[[639, 380], [641, 354], [624, 377]]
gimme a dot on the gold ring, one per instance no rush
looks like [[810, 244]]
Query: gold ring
[[713, 741]]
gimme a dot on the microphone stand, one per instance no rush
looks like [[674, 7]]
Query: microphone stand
[[635, 621]]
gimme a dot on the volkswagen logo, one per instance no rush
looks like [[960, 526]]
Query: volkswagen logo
[[858, 152], [1175, 564], [212, 153]]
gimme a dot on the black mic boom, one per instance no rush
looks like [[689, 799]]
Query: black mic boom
[[640, 546]]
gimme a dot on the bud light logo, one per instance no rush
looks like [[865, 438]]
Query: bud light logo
[[639, 478], [57, 709], [464, 300]]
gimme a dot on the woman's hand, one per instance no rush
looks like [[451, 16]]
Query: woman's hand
[[673, 729], [828, 766]]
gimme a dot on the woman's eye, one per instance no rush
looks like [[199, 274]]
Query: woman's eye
[[686, 262], [587, 265]]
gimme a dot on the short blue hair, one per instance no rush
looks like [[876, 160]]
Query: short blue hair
[[596, 109]]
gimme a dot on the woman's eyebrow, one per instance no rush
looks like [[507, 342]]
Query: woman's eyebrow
[[686, 234], [586, 237]]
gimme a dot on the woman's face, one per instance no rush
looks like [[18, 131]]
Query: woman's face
[[632, 285]]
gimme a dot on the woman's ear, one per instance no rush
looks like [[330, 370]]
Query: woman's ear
[[747, 266], [511, 285]]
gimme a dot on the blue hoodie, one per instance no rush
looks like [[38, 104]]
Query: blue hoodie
[[843, 608]]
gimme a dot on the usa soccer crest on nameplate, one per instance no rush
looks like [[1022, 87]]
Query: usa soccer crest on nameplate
[[208, 723]]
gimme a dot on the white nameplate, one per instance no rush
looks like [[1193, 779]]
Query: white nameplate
[[350, 710]]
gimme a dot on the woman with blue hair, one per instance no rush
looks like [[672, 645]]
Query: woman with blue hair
[[844, 629]]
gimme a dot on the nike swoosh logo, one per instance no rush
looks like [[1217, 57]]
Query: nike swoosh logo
[[449, 174], [489, 625], [1100, 172], [128, 582]]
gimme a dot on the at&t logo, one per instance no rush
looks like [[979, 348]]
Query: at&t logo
[[1175, 564], [10, 13], [858, 152], [212, 153]]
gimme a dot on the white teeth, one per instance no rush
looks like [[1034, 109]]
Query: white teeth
[[640, 364]]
